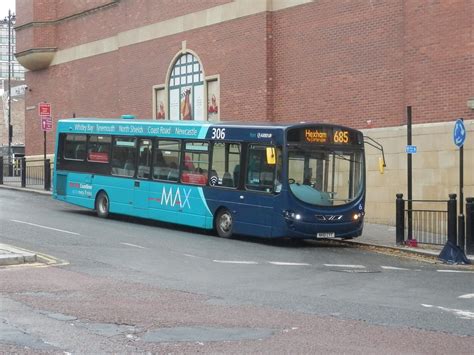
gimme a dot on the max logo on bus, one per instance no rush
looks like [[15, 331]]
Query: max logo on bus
[[178, 197]]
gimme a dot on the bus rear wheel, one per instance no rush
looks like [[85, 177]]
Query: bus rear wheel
[[224, 224], [102, 205]]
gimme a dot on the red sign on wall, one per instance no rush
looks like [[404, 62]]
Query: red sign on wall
[[44, 109]]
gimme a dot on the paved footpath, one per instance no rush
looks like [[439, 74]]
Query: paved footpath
[[10, 255], [375, 235]]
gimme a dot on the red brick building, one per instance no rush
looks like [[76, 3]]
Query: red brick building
[[357, 62]]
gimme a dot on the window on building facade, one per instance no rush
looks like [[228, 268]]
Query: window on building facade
[[160, 99], [186, 90], [213, 99], [16, 70]]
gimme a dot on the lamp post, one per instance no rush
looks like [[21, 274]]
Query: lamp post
[[11, 17]]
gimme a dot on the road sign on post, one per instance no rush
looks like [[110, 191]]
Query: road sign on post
[[410, 149], [459, 133], [459, 137], [46, 124], [44, 109]]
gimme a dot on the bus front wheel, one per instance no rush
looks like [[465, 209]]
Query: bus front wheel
[[102, 205], [224, 224]]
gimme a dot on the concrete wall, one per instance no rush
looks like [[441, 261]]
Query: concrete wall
[[435, 166]]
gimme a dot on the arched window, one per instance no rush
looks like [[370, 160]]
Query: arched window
[[186, 90]]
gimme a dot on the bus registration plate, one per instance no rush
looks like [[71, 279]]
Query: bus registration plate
[[326, 235]]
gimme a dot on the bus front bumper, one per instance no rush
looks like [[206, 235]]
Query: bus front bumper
[[305, 230]]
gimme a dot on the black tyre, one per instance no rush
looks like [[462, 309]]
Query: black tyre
[[224, 224], [102, 205]]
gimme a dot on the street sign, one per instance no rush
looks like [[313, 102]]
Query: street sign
[[46, 124], [410, 149], [44, 109], [459, 133]]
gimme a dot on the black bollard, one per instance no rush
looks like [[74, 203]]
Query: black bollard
[[452, 219], [400, 219], [23, 172], [47, 175], [470, 225]]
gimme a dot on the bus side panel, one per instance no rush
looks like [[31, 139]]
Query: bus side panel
[[279, 224], [251, 211], [119, 190], [225, 198], [182, 204], [76, 188], [255, 211]]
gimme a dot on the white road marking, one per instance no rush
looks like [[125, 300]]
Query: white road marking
[[287, 264], [196, 257], [458, 312], [346, 266], [467, 296], [40, 226], [457, 271], [133, 245], [235, 262], [394, 268]]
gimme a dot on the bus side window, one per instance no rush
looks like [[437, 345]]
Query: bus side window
[[260, 173], [81, 151], [166, 160], [98, 149], [75, 147], [124, 156], [144, 158], [195, 165], [225, 164]]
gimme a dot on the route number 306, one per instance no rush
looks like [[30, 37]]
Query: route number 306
[[218, 133]]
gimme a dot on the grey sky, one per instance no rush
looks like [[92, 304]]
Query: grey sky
[[4, 6]]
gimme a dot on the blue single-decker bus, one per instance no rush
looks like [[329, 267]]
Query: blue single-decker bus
[[304, 180]]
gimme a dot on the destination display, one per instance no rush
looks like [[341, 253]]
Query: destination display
[[324, 135]]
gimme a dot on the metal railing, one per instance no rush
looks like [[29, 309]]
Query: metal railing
[[35, 174], [470, 225], [427, 221], [435, 222], [429, 226]]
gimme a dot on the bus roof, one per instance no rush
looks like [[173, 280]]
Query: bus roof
[[237, 124]]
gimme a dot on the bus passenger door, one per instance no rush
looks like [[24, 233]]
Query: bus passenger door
[[260, 197], [141, 185], [141, 192], [255, 213]]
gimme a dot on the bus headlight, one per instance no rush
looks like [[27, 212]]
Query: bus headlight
[[357, 216], [292, 215]]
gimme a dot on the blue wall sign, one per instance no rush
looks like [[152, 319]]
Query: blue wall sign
[[459, 133], [410, 149]]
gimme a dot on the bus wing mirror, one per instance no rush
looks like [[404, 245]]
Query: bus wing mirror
[[372, 142], [381, 165], [271, 157]]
